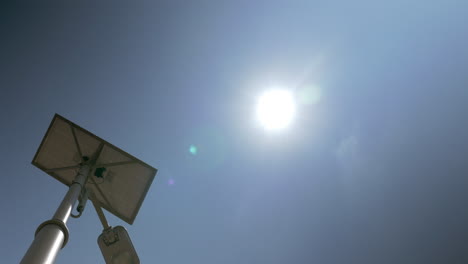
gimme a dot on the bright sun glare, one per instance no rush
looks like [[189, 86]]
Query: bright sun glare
[[276, 109]]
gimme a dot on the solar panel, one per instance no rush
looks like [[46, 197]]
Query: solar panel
[[118, 182]]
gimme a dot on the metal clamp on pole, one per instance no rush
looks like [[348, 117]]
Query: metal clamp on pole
[[81, 202], [58, 223]]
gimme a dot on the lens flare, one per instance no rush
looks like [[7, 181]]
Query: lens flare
[[309, 95], [193, 150]]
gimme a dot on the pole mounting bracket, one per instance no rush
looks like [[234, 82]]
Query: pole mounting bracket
[[58, 223]]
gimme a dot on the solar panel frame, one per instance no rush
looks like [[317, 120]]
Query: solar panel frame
[[57, 176]]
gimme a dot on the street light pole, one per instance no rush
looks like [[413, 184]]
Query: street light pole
[[52, 235], [56, 156]]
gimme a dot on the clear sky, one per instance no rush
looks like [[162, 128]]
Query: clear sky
[[373, 169]]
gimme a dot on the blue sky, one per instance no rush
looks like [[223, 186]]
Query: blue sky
[[372, 170]]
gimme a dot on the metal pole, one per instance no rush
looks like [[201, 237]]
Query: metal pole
[[52, 235]]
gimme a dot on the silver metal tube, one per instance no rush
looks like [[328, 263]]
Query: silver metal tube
[[52, 235], [45, 246]]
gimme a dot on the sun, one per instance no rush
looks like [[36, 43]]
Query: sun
[[276, 109]]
